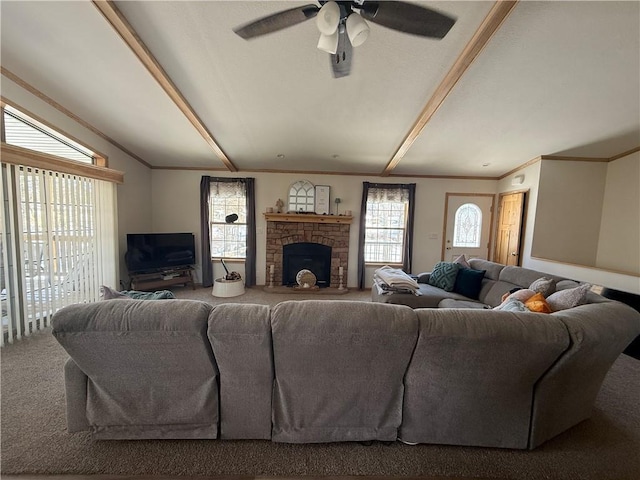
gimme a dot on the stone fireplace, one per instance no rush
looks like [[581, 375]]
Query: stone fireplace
[[326, 230]]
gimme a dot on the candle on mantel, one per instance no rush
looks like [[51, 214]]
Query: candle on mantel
[[271, 268], [340, 270]]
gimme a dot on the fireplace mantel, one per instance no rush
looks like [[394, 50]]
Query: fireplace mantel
[[307, 218]]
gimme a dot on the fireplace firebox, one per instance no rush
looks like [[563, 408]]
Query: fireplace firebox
[[306, 255]]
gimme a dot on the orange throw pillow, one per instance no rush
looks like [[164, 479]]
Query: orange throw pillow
[[537, 303]]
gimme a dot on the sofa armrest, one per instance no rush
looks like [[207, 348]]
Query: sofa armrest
[[423, 277], [565, 395], [75, 384]]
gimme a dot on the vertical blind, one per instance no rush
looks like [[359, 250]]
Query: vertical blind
[[57, 244]]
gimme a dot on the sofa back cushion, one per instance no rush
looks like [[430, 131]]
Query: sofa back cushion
[[240, 335], [149, 365], [524, 277], [473, 374], [339, 369], [492, 269]]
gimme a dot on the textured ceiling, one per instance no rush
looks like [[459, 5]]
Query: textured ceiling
[[556, 78]]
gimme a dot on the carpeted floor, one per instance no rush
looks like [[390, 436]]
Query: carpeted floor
[[34, 439]]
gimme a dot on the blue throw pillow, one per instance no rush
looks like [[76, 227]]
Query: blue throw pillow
[[444, 275], [469, 282]]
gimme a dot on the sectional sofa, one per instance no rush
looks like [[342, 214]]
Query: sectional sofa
[[333, 371], [497, 280]]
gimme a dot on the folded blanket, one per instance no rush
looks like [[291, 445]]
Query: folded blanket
[[393, 280], [384, 289], [395, 277]]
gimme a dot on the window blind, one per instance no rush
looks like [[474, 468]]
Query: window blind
[[58, 244]]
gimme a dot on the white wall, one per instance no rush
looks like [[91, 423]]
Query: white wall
[[133, 196], [176, 207], [619, 241], [627, 283], [567, 221]]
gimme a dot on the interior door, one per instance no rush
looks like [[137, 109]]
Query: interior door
[[472, 235], [509, 228]]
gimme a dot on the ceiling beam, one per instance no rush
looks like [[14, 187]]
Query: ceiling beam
[[131, 38], [485, 32]]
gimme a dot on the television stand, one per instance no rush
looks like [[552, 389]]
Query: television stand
[[161, 280]]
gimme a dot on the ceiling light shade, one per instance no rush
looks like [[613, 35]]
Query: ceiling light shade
[[357, 29], [328, 43], [328, 18]]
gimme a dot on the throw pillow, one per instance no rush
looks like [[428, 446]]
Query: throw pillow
[[444, 275], [545, 286], [469, 282], [523, 294], [109, 293], [569, 298], [462, 261], [538, 304], [512, 305]]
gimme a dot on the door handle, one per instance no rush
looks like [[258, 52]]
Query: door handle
[[514, 254]]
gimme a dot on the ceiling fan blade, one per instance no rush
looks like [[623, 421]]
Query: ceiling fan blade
[[408, 18], [277, 21], [341, 60]]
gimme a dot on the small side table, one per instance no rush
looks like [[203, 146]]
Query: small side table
[[227, 288]]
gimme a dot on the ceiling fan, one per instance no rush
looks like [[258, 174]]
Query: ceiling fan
[[342, 25]]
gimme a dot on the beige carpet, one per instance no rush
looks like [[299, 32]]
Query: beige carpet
[[267, 296], [34, 439]]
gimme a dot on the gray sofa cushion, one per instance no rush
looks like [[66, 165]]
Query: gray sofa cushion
[[524, 277], [492, 269], [566, 394], [494, 295], [473, 373], [453, 303], [429, 297], [241, 339], [339, 370], [117, 344]]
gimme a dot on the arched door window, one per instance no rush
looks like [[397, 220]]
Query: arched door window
[[468, 226]]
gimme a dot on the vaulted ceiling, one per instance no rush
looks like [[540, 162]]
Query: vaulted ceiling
[[170, 83]]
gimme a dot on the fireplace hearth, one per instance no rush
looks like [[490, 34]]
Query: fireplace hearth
[[306, 256]]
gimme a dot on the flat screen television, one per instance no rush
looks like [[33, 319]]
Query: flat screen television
[[149, 252]]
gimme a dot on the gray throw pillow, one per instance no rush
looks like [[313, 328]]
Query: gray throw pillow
[[444, 275], [109, 293], [569, 298], [462, 261], [545, 286]]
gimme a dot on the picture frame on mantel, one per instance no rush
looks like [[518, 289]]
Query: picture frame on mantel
[[323, 204]]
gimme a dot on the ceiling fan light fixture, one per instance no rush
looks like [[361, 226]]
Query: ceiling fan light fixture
[[328, 18], [357, 29], [328, 43]]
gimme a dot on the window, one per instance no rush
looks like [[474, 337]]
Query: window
[[467, 227], [228, 236], [23, 131], [385, 226], [57, 232], [302, 197]]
